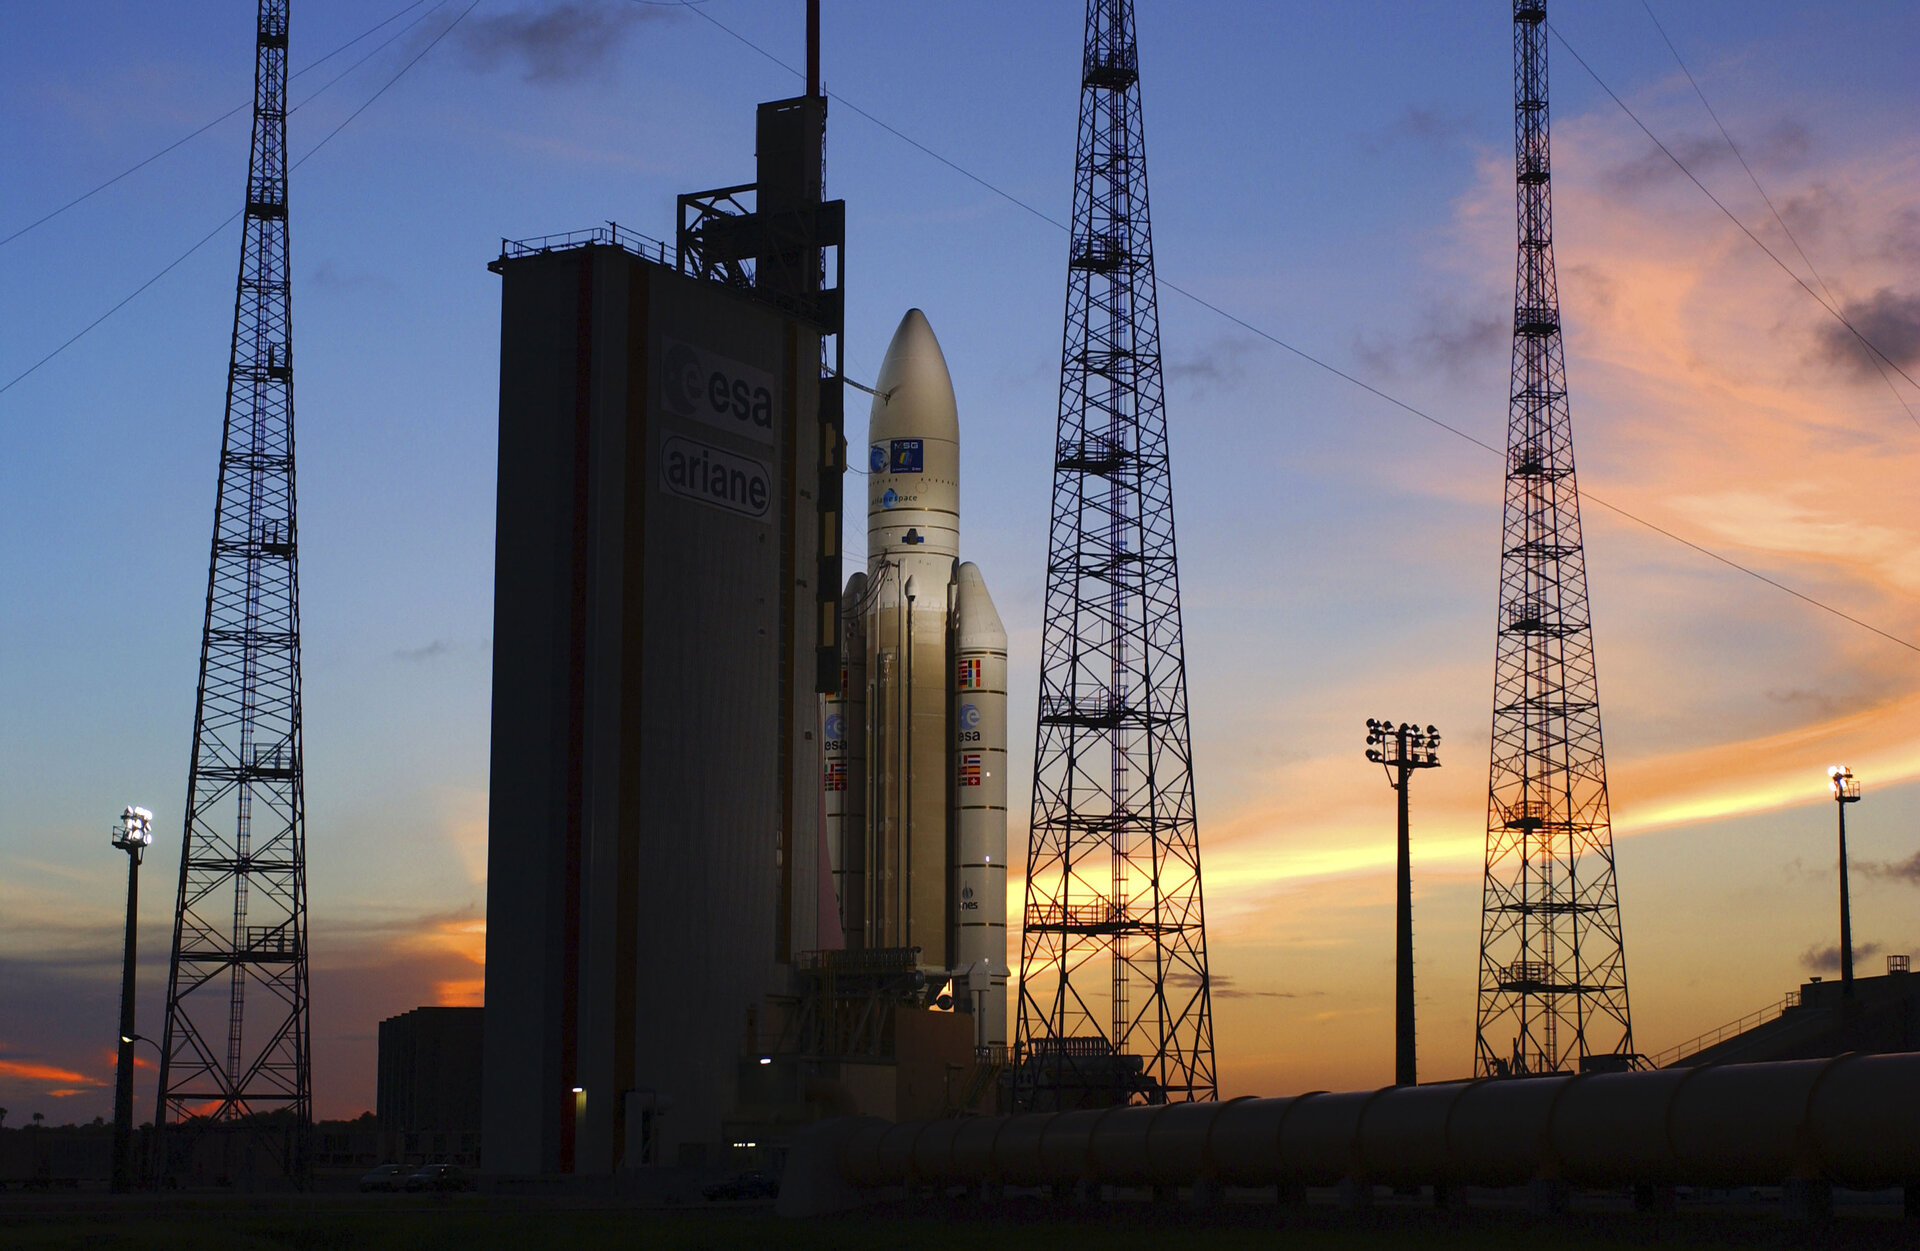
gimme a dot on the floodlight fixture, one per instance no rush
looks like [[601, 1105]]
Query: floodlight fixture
[[135, 831]]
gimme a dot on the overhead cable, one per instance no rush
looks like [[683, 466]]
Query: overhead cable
[[238, 108], [1757, 241], [1337, 372], [209, 236], [1872, 357]]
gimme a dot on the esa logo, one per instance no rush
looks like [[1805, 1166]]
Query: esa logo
[[709, 387], [836, 736], [969, 723]]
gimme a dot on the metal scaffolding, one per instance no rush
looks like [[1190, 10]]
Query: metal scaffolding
[[1553, 974], [1115, 1002], [236, 1049]]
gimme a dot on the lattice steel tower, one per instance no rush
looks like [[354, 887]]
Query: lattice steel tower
[[1114, 958], [1553, 975], [237, 1042]]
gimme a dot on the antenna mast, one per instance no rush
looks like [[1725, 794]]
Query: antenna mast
[[236, 1048], [1115, 1004], [1553, 974]]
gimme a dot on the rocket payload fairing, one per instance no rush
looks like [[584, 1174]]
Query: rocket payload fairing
[[916, 740]]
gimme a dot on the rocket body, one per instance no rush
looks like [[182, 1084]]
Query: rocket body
[[924, 864], [913, 537]]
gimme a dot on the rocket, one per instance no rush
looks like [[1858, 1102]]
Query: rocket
[[915, 789]]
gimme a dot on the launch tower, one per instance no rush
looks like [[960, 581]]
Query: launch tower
[[1553, 974], [236, 1041], [1114, 997]]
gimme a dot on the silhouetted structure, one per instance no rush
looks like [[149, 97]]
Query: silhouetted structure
[[1113, 886], [1553, 973], [237, 1038], [429, 1076], [666, 607], [1846, 790], [1401, 752], [1874, 1015]]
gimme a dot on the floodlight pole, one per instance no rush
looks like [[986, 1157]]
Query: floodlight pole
[[1845, 791], [1400, 751], [131, 837]]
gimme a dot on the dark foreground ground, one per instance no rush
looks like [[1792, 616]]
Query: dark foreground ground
[[481, 1223]]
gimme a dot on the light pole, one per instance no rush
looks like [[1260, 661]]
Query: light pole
[[1400, 750], [133, 835], [1845, 791]]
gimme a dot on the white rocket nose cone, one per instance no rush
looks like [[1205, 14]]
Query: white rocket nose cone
[[913, 456], [917, 390]]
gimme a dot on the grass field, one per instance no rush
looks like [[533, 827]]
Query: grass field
[[482, 1224]]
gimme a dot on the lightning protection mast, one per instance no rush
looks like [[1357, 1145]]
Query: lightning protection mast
[[1553, 974], [236, 1049], [1115, 1003]]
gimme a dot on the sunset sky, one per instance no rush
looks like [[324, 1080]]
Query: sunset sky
[[1338, 176]]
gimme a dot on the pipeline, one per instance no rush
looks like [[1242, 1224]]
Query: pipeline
[[1851, 1121]]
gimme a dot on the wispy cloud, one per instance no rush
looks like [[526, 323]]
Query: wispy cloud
[[1424, 126], [1445, 337], [1221, 364], [1907, 870], [1784, 143], [428, 651], [1226, 987], [1827, 959], [1887, 320], [554, 44]]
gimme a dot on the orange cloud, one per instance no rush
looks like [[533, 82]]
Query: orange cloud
[[112, 1060], [465, 939], [465, 993], [42, 1073]]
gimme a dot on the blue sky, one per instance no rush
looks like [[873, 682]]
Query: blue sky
[[1336, 175]]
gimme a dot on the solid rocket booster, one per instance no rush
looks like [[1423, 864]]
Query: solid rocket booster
[[980, 798], [843, 749], [924, 865]]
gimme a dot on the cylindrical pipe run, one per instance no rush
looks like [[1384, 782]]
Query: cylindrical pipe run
[[1845, 1121]]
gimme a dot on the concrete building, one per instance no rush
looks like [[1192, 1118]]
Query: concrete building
[[669, 473], [429, 1076]]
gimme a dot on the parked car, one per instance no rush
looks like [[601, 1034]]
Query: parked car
[[440, 1177], [758, 1184], [385, 1177]]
